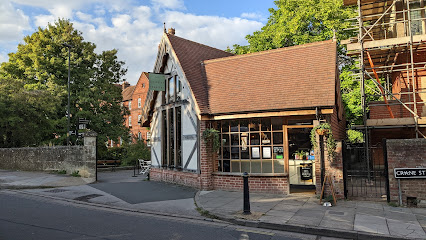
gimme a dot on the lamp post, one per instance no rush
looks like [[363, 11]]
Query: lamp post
[[68, 106]]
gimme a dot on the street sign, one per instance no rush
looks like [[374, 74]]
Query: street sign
[[157, 82], [410, 172]]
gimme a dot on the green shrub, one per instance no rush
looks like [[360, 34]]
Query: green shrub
[[75, 174], [134, 152]]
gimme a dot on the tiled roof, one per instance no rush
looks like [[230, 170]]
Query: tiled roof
[[190, 55], [127, 93], [288, 78]]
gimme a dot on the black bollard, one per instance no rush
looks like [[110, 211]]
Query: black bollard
[[246, 194], [134, 171]]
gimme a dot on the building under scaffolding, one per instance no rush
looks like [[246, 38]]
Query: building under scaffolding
[[391, 51]]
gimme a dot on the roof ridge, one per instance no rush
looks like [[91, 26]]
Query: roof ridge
[[168, 35], [266, 51]]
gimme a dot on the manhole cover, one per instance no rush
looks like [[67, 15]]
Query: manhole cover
[[336, 213], [56, 190], [86, 198]]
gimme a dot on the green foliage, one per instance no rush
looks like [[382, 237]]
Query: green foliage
[[330, 141], [62, 172], [211, 136], [135, 151], [75, 174], [33, 86], [297, 22], [355, 136]]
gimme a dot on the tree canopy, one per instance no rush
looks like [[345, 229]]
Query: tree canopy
[[33, 89], [296, 22]]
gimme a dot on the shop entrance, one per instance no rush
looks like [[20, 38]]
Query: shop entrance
[[301, 159]]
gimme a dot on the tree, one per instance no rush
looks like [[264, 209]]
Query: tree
[[297, 22], [40, 65]]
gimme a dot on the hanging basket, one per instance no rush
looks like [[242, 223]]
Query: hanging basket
[[322, 131]]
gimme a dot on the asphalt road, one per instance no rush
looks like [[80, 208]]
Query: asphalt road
[[30, 217]]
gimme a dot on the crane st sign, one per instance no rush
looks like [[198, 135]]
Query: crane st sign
[[410, 172]]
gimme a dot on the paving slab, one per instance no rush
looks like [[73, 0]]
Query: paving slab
[[371, 224], [406, 229]]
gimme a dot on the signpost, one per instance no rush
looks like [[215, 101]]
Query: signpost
[[157, 81]]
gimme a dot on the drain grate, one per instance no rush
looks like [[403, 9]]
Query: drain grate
[[56, 190], [86, 198], [336, 213]]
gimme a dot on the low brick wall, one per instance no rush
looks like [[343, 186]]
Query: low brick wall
[[73, 158], [406, 153], [257, 184], [177, 177]]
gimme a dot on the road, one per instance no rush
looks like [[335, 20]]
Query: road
[[31, 217]]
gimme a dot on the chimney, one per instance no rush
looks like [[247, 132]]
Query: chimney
[[125, 85], [171, 31]]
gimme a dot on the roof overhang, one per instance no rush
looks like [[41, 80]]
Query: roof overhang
[[322, 111]]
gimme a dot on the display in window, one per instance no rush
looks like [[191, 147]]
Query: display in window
[[244, 141], [255, 152], [266, 138], [278, 152], [254, 139], [266, 152]]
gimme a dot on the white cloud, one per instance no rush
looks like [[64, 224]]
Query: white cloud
[[169, 4], [135, 29], [12, 23], [251, 15], [214, 31]]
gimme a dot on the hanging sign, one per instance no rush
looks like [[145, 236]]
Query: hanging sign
[[157, 81], [410, 172]]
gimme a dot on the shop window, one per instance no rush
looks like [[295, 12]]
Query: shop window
[[251, 145], [164, 138], [299, 143]]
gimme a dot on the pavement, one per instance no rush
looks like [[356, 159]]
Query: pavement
[[299, 212]]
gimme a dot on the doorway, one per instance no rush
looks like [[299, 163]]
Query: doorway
[[301, 160]]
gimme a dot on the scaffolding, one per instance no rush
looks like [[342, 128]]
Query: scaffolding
[[390, 48]]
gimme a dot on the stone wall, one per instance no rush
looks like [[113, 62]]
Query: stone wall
[[69, 158], [406, 153]]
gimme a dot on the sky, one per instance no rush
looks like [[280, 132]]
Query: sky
[[135, 27]]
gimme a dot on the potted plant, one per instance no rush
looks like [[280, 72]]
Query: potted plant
[[211, 136], [325, 130]]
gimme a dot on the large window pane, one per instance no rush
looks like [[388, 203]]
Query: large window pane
[[254, 139], [244, 125], [226, 165], [234, 125], [254, 125], [172, 138], [266, 166], [278, 137], [235, 154], [178, 137], [278, 166], [235, 166], [235, 141], [225, 126], [299, 142], [226, 153], [277, 124], [245, 166], [266, 124], [171, 88], [225, 140], [256, 166]]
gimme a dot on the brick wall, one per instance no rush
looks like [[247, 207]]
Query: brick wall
[[333, 168], [176, 177], [141, 90], [406, 153], [276, 185], [207, 159]]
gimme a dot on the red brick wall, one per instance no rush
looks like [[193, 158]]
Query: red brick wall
[[406, 153], [141, 90], [207, 159], [333, 168], [338, 127], [176, 177], [276, 185]]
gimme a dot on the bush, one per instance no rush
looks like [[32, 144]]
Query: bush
[[134, 152]]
